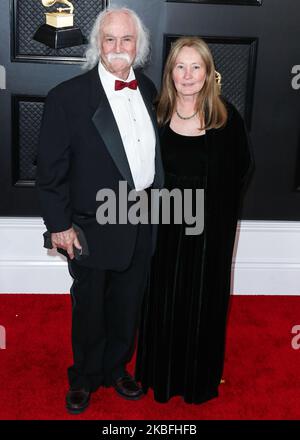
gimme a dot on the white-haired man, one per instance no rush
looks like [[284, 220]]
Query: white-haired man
[[99, 129]]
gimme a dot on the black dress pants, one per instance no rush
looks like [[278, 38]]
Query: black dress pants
[[105, 312]]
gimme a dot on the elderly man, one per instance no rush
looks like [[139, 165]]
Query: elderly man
[[100, 129]]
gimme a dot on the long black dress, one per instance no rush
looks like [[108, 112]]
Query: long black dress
[[182, 332]]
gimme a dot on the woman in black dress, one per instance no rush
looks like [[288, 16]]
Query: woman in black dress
[[204, 146]]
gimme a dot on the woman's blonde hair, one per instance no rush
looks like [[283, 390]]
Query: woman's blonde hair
[[211, 108]]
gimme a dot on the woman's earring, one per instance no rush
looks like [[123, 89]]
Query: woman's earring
[[218, 77]]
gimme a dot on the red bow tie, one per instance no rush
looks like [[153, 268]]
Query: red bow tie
[[119, 85]]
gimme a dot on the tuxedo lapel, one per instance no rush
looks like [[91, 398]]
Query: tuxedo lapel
[[148, 100], [146, 95], [107, 127]]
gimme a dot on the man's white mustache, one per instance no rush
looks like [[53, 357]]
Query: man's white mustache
[[122, 56]]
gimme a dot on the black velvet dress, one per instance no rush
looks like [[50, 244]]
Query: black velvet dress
[[182, 332]]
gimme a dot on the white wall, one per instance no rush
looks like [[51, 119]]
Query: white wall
[[266, 262]]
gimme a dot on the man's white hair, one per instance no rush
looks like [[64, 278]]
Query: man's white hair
[[93, 51]]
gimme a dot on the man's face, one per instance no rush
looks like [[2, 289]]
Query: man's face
[[118, 38]]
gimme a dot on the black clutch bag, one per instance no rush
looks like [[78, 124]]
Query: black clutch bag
[[79, 254]]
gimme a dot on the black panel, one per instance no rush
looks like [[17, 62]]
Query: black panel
[[27, 115], [28, 16], [235, 59]]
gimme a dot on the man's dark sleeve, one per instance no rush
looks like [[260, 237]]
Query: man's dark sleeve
[[53, 161]]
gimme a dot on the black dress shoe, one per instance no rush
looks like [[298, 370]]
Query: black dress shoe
[[77, 401], [128, 388]]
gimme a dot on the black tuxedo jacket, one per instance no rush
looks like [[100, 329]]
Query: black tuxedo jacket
[[80, 152]]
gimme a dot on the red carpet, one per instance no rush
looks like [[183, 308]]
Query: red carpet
[[262, 369]]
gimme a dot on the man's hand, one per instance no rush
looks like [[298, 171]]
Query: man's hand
[[66, 240]]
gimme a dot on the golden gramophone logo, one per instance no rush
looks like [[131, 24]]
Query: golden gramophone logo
[[59, 30]]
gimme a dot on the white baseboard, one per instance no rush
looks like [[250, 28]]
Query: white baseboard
[[266, 261], [25, 265]]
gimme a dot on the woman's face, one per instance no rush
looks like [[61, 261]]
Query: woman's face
[[189, 72]]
